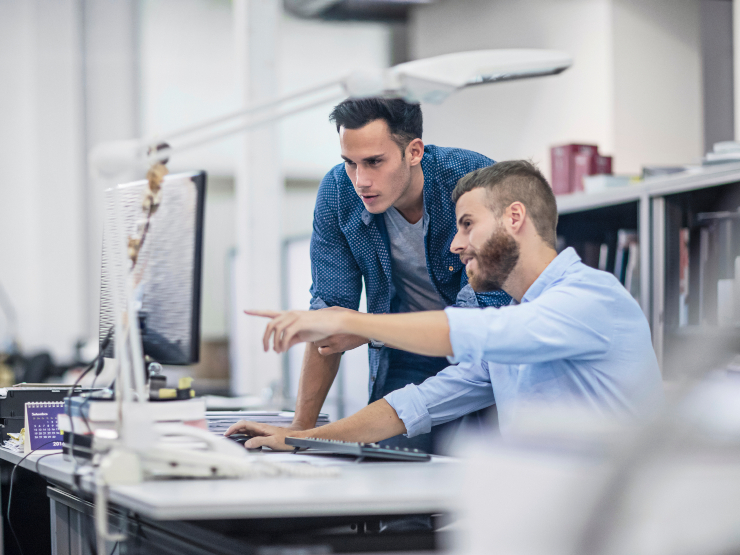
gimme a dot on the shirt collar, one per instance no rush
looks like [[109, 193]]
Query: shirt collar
[[554, 271]]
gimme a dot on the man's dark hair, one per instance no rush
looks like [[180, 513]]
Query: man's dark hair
[[515, 181], [404, 119]]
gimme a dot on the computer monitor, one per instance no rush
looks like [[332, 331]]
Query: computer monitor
[[168, 268]]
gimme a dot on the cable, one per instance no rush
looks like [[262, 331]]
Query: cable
[[98, 368], [10, 492], [103, 346], [43, 457]]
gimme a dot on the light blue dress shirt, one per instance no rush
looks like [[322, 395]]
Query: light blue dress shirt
[[577, 337]]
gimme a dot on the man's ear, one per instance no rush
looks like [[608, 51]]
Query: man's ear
[[415, 151], [515, 215]]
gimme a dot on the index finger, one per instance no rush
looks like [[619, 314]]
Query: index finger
[[264, 313]]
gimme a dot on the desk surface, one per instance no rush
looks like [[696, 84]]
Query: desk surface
[[367, 488]]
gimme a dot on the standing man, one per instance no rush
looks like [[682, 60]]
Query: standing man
[[385, 217]]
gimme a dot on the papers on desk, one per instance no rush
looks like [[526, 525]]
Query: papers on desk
[[220, 420], [16, 441]]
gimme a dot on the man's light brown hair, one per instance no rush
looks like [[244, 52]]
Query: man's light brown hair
[[515, 181]]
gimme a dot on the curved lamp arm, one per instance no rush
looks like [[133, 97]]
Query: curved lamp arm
[[427, 80]]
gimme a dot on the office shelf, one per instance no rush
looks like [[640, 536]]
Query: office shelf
[[658, 208], [579, 202]]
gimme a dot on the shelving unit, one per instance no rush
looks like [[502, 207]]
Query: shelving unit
[[658, 208]]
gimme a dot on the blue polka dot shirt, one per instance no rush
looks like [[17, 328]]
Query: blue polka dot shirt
[[350, 245]]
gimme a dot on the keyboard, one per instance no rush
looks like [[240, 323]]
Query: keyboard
[[361, 450]]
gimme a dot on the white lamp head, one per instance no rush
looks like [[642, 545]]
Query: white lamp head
[[434, 79]]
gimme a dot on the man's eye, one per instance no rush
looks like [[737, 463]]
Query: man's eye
[[373, 162]]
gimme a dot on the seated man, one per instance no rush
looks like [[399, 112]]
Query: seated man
[[572, 335]]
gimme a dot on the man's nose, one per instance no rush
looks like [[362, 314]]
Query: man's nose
[[362, 178], [458, 244]]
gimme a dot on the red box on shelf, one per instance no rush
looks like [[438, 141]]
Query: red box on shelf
[[603, 165], [584, 163], [563, 166]]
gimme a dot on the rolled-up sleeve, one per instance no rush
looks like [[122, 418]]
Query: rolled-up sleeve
[[557, 325], [452, 393]]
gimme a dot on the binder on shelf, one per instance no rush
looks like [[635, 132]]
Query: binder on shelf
[[684, 239], [718, 287], [571, 163], [603, 257], [632, 271], [563, 165], [625, 238]]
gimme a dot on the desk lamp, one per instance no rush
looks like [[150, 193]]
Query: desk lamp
[[429, 80]]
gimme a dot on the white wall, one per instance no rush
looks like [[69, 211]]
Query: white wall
[[189, 74], [111, 112], [658, 109], [634, 89], [311, 53], [42, 259], [188, 65], [521, 119]]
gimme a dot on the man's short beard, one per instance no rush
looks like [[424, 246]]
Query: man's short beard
[[496, 260]]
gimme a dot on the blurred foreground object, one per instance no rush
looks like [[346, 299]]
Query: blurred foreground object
[[427, 80], [575, 485], [355, 10]]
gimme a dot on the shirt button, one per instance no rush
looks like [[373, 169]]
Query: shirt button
[[452, 269]]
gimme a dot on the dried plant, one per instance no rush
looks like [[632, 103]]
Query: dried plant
[[149, 204]]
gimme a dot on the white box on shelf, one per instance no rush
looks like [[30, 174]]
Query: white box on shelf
[[600, 183]]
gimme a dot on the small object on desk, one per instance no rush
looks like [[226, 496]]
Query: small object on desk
[[42, 429], [361, 450]]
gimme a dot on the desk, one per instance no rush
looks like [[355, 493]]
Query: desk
[[229, 516]]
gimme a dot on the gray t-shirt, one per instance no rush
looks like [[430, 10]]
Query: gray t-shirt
[[409, 264]]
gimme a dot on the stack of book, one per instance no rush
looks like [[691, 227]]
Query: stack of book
[[723, 152], [571, 163], [84, 415], [709, 270], [623, 261], [219, 421]]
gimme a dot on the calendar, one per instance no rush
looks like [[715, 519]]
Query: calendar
[[42, 427]]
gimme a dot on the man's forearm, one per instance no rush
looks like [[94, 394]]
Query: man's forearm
[[317, 375], [424, 333], [375, 422]]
